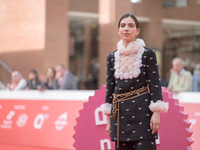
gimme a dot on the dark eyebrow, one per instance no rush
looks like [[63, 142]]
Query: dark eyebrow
[[128, 23]]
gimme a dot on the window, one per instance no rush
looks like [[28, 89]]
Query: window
[[175, 3]]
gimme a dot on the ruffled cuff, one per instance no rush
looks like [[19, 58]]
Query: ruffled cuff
[[106, 108], [160, 106]]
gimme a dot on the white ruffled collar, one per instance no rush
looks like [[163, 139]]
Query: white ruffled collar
[[132, 48], [128, 60]]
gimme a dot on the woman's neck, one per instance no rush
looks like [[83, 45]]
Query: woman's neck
[[126, 43]]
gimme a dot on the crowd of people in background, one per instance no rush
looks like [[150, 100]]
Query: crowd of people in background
[[57, 78]]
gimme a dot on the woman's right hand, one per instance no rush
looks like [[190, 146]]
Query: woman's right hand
[[108, 128]]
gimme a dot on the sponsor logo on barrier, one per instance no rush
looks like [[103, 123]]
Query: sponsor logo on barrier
[[19, 107], [39, 120], [7, 123], [22, 120], [61, 122]]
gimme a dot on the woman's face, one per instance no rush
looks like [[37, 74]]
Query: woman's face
[[127, 30], [50, 73], [31, 76]]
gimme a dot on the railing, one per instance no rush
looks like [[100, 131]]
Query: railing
[[4, 66]]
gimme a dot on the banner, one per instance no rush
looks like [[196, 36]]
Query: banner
[[31, 120], [35, 122]]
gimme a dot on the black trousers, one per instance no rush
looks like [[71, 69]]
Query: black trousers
[[137, 145]]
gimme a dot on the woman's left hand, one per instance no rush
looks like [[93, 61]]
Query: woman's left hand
[[155, 122]]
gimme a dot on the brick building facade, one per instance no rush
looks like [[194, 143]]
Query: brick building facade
[[80, 34]]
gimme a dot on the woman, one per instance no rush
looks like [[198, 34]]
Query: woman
[[51, 83], [33, 80], [132, 109]]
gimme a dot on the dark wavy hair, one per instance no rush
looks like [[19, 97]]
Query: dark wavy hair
[[34, 72], [132, 16]]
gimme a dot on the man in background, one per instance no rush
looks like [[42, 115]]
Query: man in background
[[66, 80], [17, 82], [180, 79]]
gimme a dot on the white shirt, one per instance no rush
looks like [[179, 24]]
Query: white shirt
[[21, 85]]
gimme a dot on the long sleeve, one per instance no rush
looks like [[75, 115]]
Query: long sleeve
[[153, 80], [110, 85]]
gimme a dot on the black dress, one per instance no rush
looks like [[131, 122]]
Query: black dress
[[135, 114]]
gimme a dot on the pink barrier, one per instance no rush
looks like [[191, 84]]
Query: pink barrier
[[194, 117], [174, 133], [63, 122], [38, 124]]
